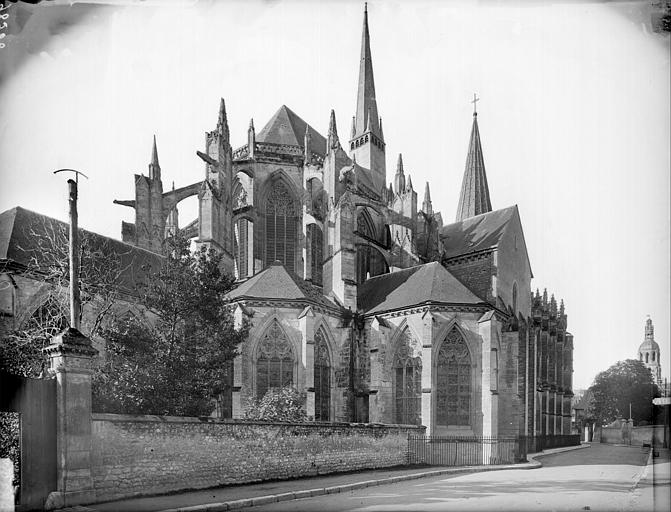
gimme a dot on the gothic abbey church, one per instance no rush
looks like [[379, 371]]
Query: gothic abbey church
[[360, 297]]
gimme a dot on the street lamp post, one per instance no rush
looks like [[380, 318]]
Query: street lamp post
[[73, 250]]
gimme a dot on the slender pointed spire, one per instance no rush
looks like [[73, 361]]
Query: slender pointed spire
[[154, 166], [427, 206], [381, 132], [399, 179], [353, 132], [408, 186], [333, 141], [474, 199], [366, 105]]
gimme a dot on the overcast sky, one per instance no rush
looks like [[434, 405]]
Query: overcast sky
[[574, 121]]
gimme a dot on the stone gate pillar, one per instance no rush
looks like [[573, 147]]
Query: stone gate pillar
[[70, 360]]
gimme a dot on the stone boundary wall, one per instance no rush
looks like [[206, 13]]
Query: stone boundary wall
[[140, 455], [638, 436]]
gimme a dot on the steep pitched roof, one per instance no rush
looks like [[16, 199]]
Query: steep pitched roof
[[474, 198], [429, 283], [286, 127], [475, 233], [31, 242], [276, 283]]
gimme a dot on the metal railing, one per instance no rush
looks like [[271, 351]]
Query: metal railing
[[465, 451], [546, 442]]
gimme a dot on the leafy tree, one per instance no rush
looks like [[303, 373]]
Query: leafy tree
[[278, 404], [173, 357], [624, 383]]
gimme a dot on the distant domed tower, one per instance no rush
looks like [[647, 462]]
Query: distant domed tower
[[648, 353]]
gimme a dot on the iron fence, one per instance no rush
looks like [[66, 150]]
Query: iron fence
[[539, 443], [465, 451]]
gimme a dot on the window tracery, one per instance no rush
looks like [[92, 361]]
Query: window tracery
[[453, 381], [407, 374], [281, 226], [275, 360]]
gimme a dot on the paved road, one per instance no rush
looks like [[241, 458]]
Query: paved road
[[600, 478]]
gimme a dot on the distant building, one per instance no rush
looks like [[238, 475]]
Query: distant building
[[648, 353]]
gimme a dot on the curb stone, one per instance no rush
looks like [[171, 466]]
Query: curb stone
[[297, 495]]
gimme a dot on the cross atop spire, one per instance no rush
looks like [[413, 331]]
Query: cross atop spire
[[366, 105], [475, 101], [474, 199]]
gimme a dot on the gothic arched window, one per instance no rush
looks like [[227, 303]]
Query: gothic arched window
[[275, 361], [647, 354], [316, 239], [407, 375], [653, 357], [453, 381], [322, 382], [281, 226], [243, 248]]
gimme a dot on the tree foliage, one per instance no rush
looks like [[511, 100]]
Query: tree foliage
[[101, 269], [278, 404], [173, 356], [624, 383]]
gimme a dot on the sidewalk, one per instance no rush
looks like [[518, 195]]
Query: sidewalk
[[241, 496], [652, 492]]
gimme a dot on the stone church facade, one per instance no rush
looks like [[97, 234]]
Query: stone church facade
[[361, 298]]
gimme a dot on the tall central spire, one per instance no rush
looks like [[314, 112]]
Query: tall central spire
[[474, 199], [366, 106]]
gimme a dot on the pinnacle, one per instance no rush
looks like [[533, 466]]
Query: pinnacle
[[222, 112], [399, 164], [251, 123], [333, 129], [427, 193], [409, 184]]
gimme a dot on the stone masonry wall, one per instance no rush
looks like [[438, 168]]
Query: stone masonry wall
[[134, 455]]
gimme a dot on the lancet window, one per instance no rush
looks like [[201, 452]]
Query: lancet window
[[453, 381], [407, 375], [243, 251], [322, 378], [281, 226], [275, 361], [316, 238]]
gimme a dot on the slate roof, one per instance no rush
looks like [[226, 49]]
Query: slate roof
[[429, 283], [276, 283], [286, 127], [23, 234], [476, 233]]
